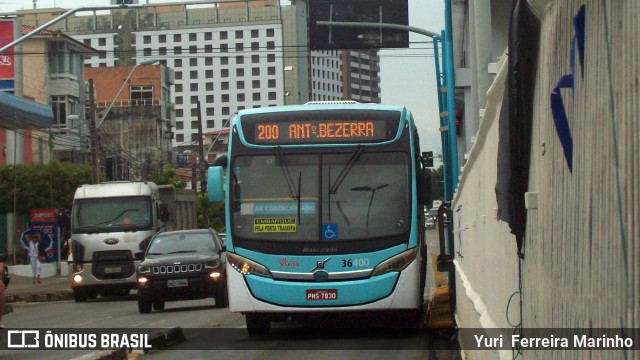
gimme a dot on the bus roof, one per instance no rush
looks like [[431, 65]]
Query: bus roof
[[322, 106]]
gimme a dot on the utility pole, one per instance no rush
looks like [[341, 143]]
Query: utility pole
[[203, 162], [93, 135]]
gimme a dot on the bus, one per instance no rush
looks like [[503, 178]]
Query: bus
[[323, 211]]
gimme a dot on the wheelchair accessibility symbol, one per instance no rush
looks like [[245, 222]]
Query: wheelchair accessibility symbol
[[329, 231]]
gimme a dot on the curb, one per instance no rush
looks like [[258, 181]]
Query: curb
[[158, 341], [39, 297]]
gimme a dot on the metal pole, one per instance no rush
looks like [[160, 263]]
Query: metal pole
[[379, 25], [451, 100], [441, 106], [95, 174]]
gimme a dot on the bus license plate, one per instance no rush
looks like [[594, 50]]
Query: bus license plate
[[177, 283], [112, 269], [322, 294]]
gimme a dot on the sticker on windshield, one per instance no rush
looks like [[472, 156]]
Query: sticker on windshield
[[274, 225], [277, 208], [329, 231]]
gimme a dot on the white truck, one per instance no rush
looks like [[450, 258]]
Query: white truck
[[111, 222]]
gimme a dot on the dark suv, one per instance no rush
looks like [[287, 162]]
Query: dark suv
[[182, 265]]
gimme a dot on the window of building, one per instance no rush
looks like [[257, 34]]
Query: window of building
[[240, 72], [146, 39], [102, 42], [178, 88], [271, 57], [194, 113], [180, 138], [208, 74], [162, 51], [255, 46], [271, 45], [240, 59], [209, 99], [194, 99], [224, 73], [271, 70], [271, 83], [63, 106], [177, 38], [240, 97], [238, 34], [255, 59], [179, 113], [193, 49], [177, 50], [208, 48], [193, 37], [179, 125], [225, 98], [225, 110], [147, 51], [178, 75], [177, 63], [179, 100], [239, 47], [193, 87], [224, 85], [87, 42], [240, 85], [224, 48], [210, 112], [193, 74], [255, 84], [271, 32], [208, 35], [208, 61], [162, 39], [272, 95], [209, 86], [255, 71], [140, 95], [224, 60], [210, 123], [193, 61], [223, 35], [255, 33], [256, 96]]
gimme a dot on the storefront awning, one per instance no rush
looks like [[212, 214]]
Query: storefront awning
[[18, 113]]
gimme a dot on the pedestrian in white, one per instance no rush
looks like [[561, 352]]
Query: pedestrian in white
[[36, 267]]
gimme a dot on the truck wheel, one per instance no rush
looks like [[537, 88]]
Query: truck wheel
[[144, 305], [257, 324], [158, 304], [79, 294], [222, 298], [91, 293]]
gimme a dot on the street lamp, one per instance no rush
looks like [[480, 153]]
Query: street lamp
[[106, 112]]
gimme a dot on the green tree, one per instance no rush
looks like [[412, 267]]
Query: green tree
[[51, 185], [210, 214], [167, 177]]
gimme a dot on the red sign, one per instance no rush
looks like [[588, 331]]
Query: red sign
[[44, 215], [6, 58]]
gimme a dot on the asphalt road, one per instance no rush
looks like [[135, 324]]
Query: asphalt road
[[216, 333]]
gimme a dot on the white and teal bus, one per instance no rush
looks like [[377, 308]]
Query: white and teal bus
[[324, 211]]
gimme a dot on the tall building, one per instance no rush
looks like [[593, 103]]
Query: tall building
[[227, 54]]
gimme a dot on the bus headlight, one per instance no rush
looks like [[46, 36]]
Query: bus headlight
[[396, 263], [246, 267]]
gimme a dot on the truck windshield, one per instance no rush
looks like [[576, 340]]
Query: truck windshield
[[111, 214], [369, 199]]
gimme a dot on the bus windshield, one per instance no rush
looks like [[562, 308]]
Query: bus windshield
[[320, 197], [111, 214]]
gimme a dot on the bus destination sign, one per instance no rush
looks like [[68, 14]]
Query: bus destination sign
[[320, 131]]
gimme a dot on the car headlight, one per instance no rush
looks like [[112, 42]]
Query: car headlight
[[247, 267], [212, 264], [396, 263], [144, 269]]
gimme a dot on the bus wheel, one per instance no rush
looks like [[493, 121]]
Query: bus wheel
[[257, 324], [79, 294]]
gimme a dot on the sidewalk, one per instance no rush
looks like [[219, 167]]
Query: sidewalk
[[22, 289]]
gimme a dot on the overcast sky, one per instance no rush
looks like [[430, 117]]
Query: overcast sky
[[408, 75]]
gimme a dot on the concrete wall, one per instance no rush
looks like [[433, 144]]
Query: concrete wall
[[582, 250]]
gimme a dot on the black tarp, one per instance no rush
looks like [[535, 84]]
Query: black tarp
[[516, 117]]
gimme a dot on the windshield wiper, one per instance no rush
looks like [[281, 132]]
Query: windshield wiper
[[180, 252], [346, 169], [115, 218], [152, 253], [286, 173]]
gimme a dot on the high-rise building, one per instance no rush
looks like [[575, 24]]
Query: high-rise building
[[227, 54]]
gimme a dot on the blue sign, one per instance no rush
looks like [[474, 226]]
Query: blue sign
[[329, 231]]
